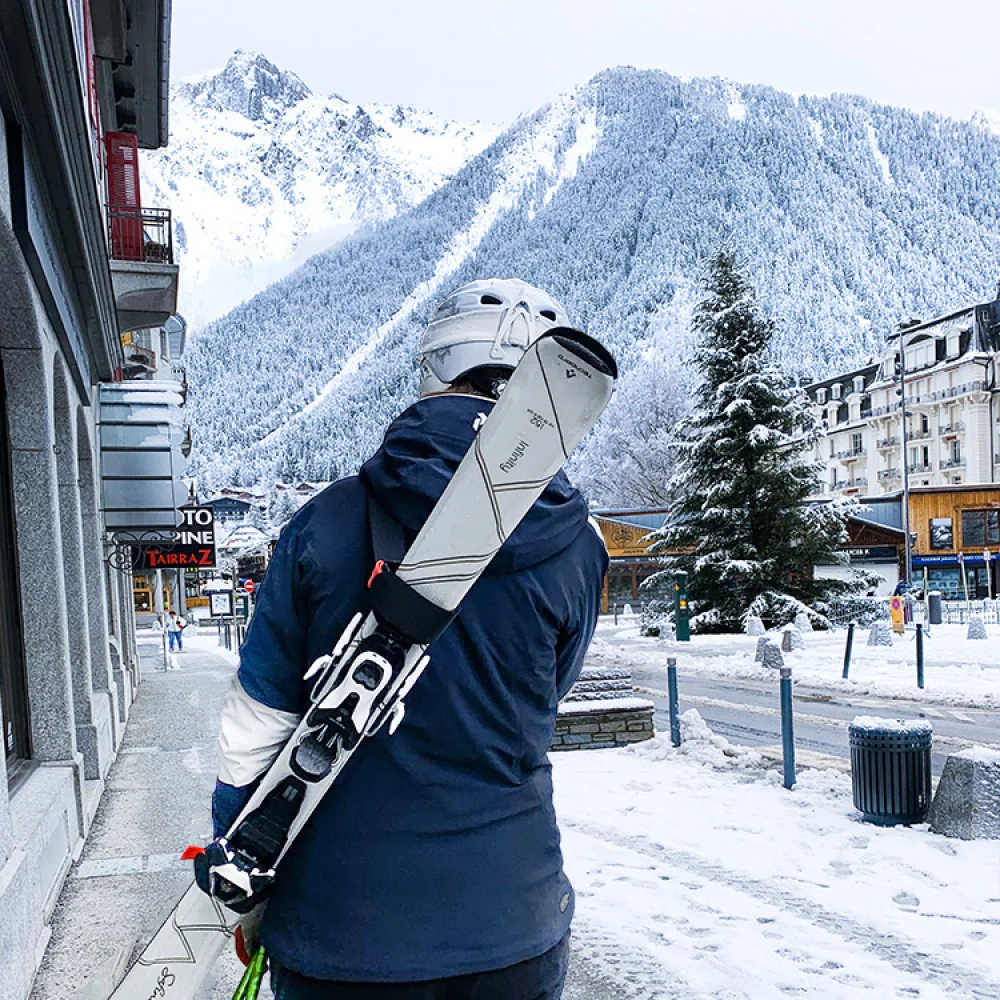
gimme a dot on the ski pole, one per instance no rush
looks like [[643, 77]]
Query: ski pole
[[249, 988]]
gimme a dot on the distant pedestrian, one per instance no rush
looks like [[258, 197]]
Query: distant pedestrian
[[175, 630]]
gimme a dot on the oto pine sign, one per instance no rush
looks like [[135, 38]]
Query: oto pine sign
[[193, 549]]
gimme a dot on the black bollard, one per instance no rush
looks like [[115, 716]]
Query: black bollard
[[787, 727], [847, 650], [920, 657], [675, 724]]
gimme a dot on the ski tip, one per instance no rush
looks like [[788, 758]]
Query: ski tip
[[191, 852], [586, 348]]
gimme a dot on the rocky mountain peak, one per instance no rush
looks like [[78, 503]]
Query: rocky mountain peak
[[250, 85]]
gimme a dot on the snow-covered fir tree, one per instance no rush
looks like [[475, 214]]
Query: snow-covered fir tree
[[741, 520]]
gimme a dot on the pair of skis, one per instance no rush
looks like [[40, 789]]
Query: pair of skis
[[555, 395]]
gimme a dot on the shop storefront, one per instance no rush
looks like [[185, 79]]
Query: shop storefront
[[957, 540], [944, 573], [623, 533]]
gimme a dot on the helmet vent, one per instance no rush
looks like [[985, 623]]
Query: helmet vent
[[548, 314], [491, 300]]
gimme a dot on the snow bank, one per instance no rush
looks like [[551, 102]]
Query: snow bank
[[958, 672]]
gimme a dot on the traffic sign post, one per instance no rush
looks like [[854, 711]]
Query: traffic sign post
[[896, 613]]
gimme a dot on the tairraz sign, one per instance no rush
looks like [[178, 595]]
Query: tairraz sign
[[194, 547]]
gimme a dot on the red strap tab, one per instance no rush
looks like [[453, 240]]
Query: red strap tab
[[379, 567], [242, 952], [192, 852]]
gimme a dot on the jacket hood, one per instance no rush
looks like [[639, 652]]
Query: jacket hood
[[421, 450]]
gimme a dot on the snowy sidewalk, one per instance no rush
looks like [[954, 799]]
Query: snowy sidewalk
[[156, 802], [698, 876]]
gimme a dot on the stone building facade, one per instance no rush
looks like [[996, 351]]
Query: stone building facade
[[953, 435], [72, 74]]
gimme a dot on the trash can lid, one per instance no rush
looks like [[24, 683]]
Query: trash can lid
[[873, 722]]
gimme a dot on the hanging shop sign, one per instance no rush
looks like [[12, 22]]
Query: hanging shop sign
[[193, 547]]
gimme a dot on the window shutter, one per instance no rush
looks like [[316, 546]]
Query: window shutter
[[124, 204]]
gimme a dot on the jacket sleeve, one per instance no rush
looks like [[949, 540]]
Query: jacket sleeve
[[574, 641], [265, 703]]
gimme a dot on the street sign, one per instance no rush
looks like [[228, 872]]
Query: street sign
[[194, 546], [248, 586], [896, 613], [242, 611], [221, 604]]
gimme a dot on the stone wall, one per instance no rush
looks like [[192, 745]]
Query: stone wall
[[610, 727]]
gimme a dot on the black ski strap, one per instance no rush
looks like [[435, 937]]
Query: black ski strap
[[388, 539], [396, 604]]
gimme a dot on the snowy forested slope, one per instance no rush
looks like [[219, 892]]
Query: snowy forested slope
[[853, 217], [260, 174]]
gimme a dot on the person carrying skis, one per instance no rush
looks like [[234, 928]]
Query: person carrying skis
[[432, 869]]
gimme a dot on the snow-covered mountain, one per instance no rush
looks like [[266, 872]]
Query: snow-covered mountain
[[988, 118], [260, 174], [852, 216]]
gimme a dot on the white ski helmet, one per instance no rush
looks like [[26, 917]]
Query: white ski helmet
[[484, 327]]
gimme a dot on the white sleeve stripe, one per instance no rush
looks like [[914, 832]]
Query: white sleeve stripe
[[251, 738]]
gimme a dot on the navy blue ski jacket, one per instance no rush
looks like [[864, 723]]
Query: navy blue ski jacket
[[436, 853]]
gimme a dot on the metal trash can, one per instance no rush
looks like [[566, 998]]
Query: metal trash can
[[891, 769], [934, 608]]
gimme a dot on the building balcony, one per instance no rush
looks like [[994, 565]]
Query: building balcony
[[952, 430], [932, 397], [920, 467], [143, 273], [851, 454], [888, 474], [951, 463], [919, 435], [889, 442], [858, 482]]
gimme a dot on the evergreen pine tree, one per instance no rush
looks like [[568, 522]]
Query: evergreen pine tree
[[742, 523]]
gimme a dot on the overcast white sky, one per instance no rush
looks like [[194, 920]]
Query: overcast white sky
[[468, 59]]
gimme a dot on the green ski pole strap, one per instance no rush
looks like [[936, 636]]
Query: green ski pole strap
[[249, 988]]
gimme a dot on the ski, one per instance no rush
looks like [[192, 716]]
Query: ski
[[555, 395]]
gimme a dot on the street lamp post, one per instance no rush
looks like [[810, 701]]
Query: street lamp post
[[908, 566]]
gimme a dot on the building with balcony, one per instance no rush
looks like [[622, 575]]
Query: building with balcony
[[953, 438], [83, 85]]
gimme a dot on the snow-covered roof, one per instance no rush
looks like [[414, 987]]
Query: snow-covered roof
[[243, 538], [651, 519]]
